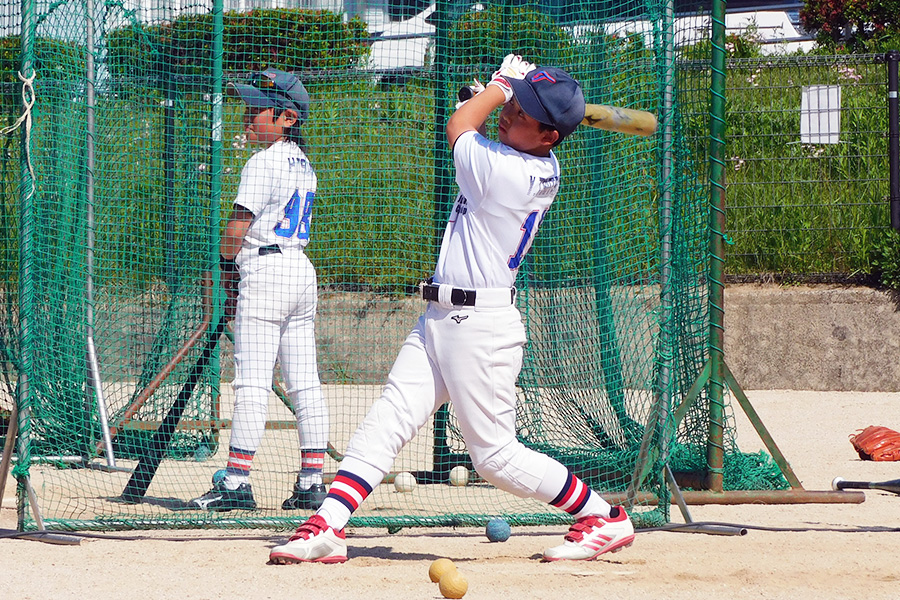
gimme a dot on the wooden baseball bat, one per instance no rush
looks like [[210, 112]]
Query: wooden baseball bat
[[621, 120], [840, 483], [601, 116]]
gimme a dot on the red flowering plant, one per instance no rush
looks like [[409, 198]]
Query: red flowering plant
[[855, 25]]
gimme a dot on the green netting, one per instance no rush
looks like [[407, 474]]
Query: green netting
[[113, 203]]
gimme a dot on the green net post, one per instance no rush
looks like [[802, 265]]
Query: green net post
[[215, 163], [443, 180], [26, 241], [170, 96], [668, 325], [715, 448]]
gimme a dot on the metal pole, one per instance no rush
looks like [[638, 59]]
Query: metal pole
[[169, 170], [662, 402], [26, 229], [442, 180], [710, 529], [715, 452], [666, 223], [215, 157], [215, 184], [94, 365], [8, 446], [893, 59], [442, 177]]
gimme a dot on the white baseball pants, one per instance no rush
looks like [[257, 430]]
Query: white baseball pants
[[275, 319], [470, 356]]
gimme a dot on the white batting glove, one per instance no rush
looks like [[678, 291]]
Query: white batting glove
[[513, 67]]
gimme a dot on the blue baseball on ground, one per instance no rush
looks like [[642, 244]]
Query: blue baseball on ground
[[202, 453], [497, 530], [219, 476]]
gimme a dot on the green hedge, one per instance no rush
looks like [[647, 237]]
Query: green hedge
[[484, 37], [292, 39]]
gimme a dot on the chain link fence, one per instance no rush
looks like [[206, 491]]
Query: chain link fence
[[807, 170]]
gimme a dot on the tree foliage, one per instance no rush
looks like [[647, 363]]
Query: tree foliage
[[857, 25]]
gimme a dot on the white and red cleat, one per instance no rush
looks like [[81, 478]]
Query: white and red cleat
[[592, 536], [314, 541]]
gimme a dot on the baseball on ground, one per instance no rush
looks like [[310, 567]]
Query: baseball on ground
[[453, 585], [404, 482], [219, 476], [497, 530], [439, 568], [459, 475]]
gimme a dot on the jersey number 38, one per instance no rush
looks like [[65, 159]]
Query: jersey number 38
[[296, 216]]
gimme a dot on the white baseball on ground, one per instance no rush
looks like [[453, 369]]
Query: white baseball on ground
[[404, 482], [459, 476]]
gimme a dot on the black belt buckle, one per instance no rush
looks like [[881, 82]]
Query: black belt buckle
[[458, 296], [273, 249]]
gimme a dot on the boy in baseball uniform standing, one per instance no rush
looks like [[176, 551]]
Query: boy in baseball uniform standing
[[467, 347], [276, 295]]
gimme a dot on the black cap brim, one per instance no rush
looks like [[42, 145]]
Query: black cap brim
[[257, 98], [254, 96]]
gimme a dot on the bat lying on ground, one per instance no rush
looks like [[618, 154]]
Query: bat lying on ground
[[840, 483], [601, 116]]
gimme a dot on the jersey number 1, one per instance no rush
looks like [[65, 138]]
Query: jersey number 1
[[529, 228], [296, 216]]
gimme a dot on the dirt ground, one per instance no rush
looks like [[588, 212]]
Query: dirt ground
[[799, 551]]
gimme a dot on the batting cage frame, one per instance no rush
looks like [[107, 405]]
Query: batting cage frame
[[122, 161]]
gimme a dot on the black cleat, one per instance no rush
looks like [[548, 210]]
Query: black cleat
[[220, 499], [306, 499]]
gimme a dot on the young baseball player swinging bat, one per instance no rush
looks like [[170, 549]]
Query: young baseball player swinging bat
[[467, 346]]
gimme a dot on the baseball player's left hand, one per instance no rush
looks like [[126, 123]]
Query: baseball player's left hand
[[230, 279], [475, 88], [513, 67]]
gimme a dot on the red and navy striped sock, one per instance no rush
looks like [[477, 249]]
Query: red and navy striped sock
[[353, 483], [238, 467], [349, 489], [574, 496], [312, 462]]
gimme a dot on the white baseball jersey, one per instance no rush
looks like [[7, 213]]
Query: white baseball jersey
[[504, 195], [281, 205]]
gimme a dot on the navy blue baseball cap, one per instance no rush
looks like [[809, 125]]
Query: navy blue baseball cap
[[274, 89], [551, 96]]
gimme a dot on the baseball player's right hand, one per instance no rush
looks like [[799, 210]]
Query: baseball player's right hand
[[468, 92], [513, 67]]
